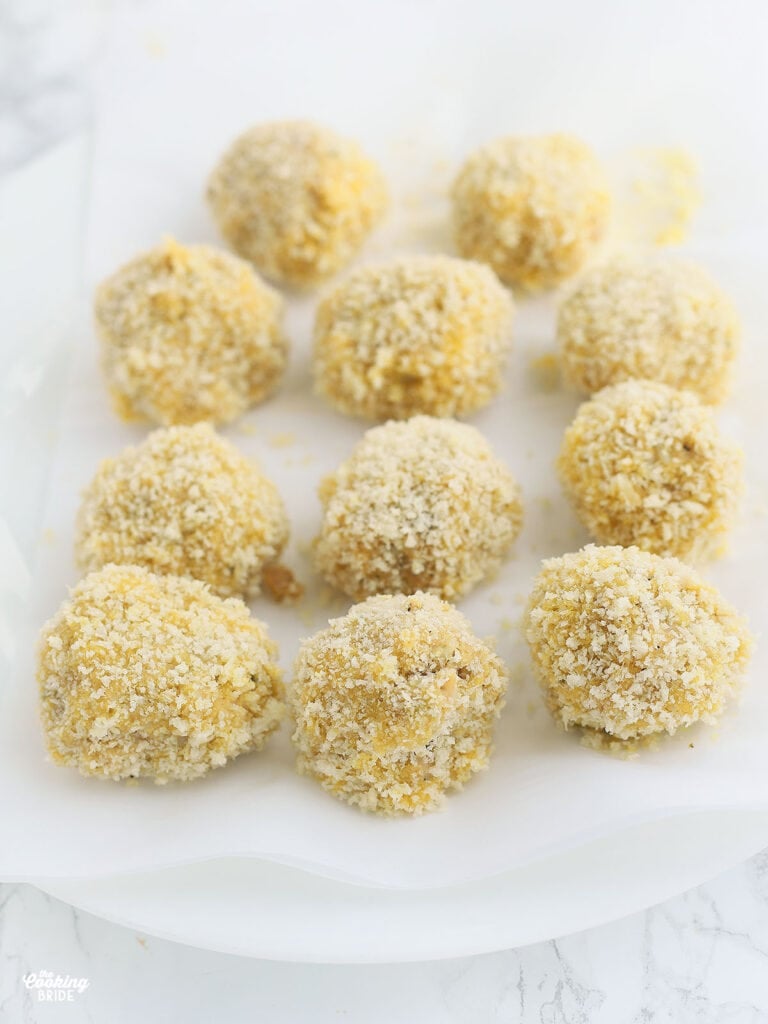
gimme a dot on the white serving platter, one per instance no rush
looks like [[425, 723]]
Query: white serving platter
[[262, 910]]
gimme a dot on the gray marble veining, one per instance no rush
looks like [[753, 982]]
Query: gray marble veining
[[46, 48], [701, 958]]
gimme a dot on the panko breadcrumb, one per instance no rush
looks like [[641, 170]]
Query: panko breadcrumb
[[630, 644], [419, 505], [645, 464], [146, 675], [395, 703], [187, 503], [533, 207], [296, 199], [188, 333], [657, 320], [425, 334]]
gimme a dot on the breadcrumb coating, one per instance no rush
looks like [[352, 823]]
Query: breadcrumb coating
[[646, 464], [533, 207], [188, 333], [296, 199], [419, 505], [630, 644], [146, 675], [395, 704], [185, 502], [421, 334], [656, 320]]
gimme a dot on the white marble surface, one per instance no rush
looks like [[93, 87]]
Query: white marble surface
[[698, 959], [701, 957]]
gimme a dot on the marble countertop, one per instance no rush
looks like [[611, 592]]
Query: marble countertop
[[701, 957]]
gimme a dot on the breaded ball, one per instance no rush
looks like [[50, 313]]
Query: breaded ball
[[395, 704], [419, 505], [187, 503], [660, 321], [646, 464], [420, 334], [630, 644], [296, 199], [534, 207], [188, 333], [145, 675]]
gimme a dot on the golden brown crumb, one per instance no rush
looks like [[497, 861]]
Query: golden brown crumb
[[419, 505], [395, 704], [184, 502], [661, 321], [632, 644], [145, 675], [532, 207], [188, 333], [420, 334], [645, 464], [281, 585], [296, 199]]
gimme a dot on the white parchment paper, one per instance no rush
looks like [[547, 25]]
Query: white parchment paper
[[419, 84]]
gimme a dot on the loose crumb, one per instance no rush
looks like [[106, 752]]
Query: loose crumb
[[666, 194], [545, 370], [283, 440], [281, 585]]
